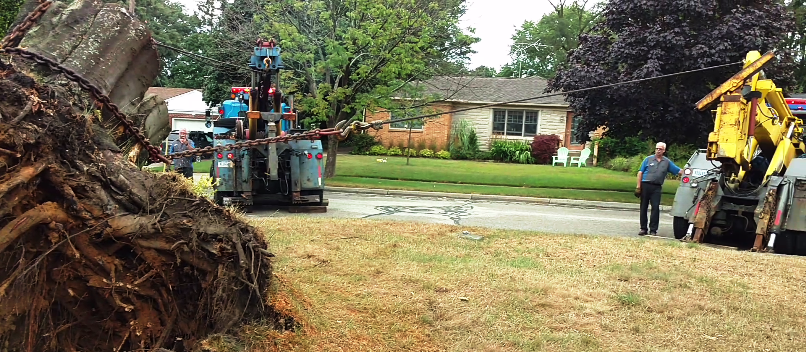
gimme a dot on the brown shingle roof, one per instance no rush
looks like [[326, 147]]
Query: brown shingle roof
[[490, 89], [168, 93]]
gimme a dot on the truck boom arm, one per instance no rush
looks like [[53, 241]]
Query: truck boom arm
[[752, 115]]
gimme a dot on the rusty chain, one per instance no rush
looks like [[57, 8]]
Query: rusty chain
[[15, 37]]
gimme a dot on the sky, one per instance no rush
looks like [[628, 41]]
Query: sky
[[495, 21]]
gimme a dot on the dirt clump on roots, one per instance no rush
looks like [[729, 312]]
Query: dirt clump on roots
[[97, 255]]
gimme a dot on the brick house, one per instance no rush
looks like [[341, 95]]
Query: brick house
[[516, 121]]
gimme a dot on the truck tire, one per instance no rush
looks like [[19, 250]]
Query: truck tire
[[680, 227]]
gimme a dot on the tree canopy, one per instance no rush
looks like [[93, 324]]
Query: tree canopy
[[540, 48], [646, 38], [346, 55], [8, 13]]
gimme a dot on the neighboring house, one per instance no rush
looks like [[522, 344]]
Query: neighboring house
[[186, 108], [515, 121]]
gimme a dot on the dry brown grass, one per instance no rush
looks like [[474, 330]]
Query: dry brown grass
[[364, 285]]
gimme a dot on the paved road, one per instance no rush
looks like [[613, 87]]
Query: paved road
[[501, 215]]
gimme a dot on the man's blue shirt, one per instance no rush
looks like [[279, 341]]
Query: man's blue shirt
[[652, 162]]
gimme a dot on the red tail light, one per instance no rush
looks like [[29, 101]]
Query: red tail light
[[309, 155], [685, 179], [220, 156], [230, 156], [221, 112], [778, 218], [319, 156]]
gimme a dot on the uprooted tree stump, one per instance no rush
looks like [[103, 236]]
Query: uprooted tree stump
[[96, 255]]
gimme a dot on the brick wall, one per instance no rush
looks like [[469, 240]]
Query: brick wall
[[435, 132]]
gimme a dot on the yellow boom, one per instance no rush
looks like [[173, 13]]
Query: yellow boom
[[744, 123]]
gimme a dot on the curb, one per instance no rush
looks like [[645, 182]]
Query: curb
[[577, 203]]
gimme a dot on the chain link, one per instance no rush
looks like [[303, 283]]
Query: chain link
[[15, 37]]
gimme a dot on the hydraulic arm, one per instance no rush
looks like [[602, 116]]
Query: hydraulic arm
[[752, 119]]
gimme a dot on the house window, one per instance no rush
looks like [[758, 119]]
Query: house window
[[416, 125], [520, 123], [574, 129]]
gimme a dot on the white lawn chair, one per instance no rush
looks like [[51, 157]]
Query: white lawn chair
[[561, 157], [582, 158]]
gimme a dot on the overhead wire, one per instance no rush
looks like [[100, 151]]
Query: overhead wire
[[388, 121]]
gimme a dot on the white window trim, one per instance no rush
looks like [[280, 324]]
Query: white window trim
[[505, 136]]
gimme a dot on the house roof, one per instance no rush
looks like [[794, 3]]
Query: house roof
[[168, 93], [490, 89]]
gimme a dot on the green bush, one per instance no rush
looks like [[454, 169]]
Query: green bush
[[464, 143], [394, 151], [410, 152], [680, 153], [442, 154], [377, 150], [361, 143], [512, 152], [427, 153], [610, 148], [483, 156], [620, 163]]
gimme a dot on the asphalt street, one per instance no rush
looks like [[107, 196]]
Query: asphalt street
[[479, 213]]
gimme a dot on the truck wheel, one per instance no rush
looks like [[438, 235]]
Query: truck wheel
[[680, 227]]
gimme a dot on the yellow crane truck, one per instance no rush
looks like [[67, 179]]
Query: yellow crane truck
[[747, 188]]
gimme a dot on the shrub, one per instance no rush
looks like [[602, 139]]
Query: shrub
[[410, 152], [483, 156], [442, 154], [362, 143], [464, 143], [620, 163], [393, 151], [427, 153], [512, 152], [544, 146], [377, 150], [680, 153], [610, 148]]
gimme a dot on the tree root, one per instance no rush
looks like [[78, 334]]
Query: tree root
[[96, 255]]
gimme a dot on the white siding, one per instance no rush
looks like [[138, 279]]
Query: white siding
[[190, 124], [550, 121], [482, 120]]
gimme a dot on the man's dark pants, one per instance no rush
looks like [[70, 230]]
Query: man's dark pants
[[185, 171], [650, 195]]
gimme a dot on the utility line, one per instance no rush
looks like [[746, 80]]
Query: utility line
[[202, 57], [556, 94], [384, 122]]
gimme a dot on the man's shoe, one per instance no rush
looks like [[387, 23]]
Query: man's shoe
[[653, 233], [642, 233]]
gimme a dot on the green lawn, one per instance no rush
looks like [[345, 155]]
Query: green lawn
[[473, 177], [602, 196], [490, 173]]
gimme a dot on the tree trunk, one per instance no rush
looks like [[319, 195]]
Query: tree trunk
[[96, 255], [332, 150]]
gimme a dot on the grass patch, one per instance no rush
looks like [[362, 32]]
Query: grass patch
[[601, 196], [490, 173], [368, 285], [198, 167]]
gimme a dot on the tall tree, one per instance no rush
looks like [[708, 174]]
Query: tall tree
[[347, 55], [647, 38], [233, 31], [540, 48]]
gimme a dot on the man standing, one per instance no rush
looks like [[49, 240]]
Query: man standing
[[183, 165], [650, 184]]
